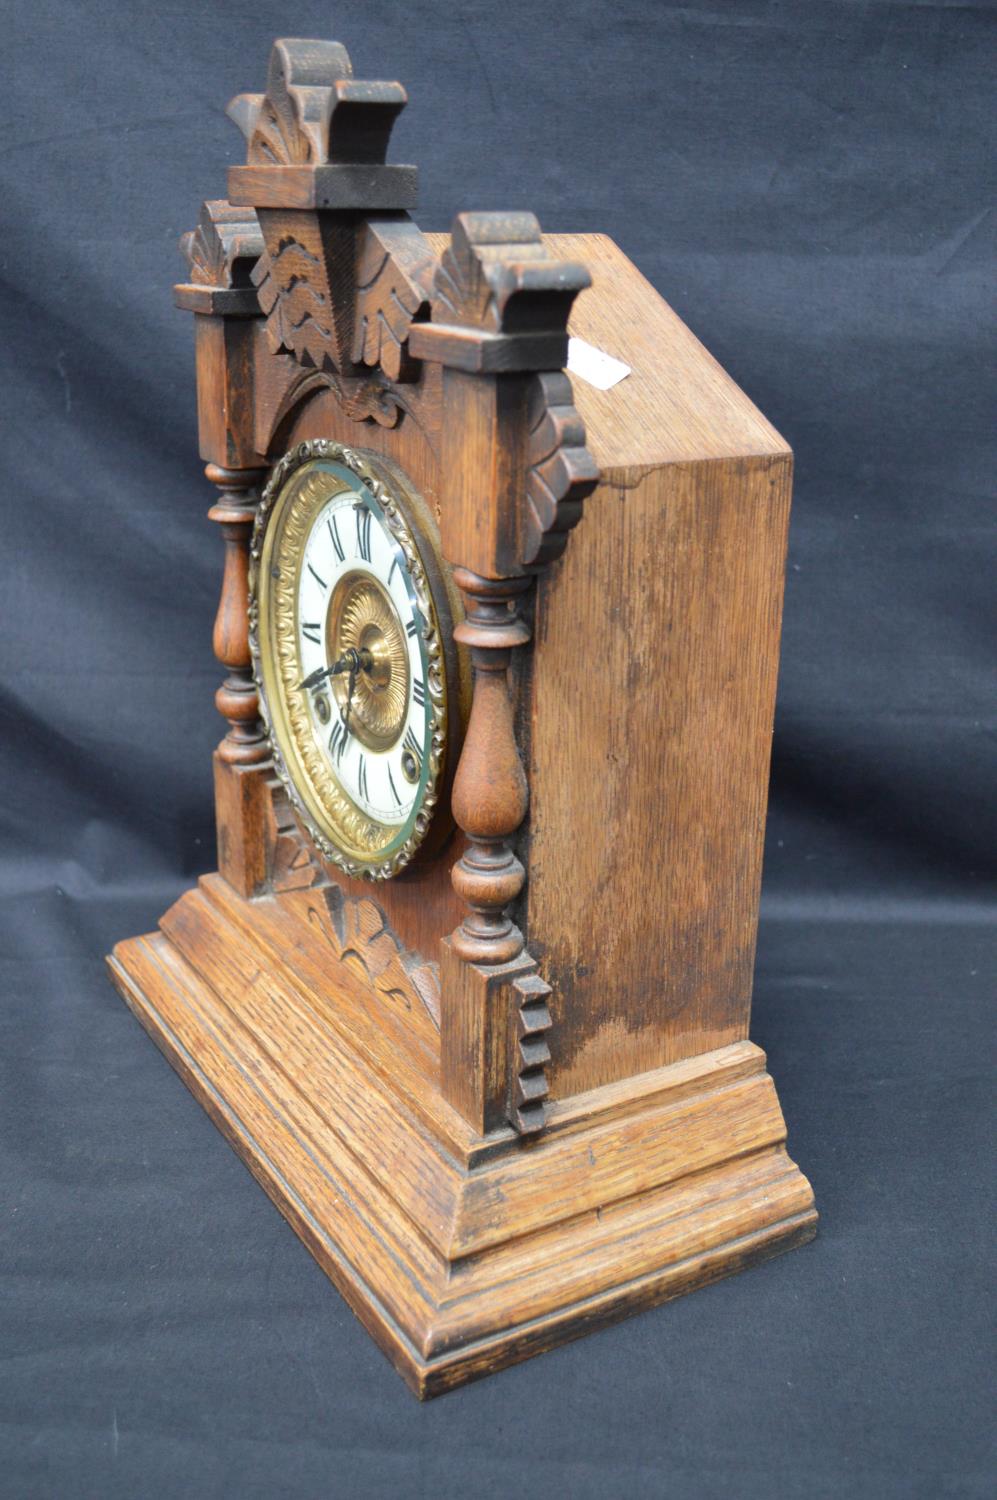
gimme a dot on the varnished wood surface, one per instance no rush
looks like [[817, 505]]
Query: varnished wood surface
[[650, 736], [650, 694], [457, 1267], [368, 1084], [678, 404]]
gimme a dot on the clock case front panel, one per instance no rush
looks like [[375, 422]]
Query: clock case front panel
[[366, 1071]]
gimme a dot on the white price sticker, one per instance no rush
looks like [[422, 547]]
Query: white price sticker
[[599, 369]]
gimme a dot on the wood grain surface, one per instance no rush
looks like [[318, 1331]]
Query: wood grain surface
[[492, 1148], [456, 1267]]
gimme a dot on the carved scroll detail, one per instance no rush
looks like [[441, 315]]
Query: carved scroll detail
[[224, 247], [314, 111], [360, 934], [368, 398], [561, 472]]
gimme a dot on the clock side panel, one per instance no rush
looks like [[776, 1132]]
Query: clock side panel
[[649, 726]]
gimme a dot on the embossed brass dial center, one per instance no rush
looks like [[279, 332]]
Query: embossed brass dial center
[[362, 617]]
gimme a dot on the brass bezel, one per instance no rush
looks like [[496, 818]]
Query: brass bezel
[[340, 830]]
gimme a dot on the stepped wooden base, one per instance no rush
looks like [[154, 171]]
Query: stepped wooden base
[[459, 1253]]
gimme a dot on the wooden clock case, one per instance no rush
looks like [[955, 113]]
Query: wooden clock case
[[507, 1096]]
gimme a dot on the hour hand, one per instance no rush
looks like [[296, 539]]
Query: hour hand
[[314, 678], [353, 661]]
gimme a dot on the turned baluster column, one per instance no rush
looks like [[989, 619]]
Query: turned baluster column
[[489, 792], [245, 744], [510, 453]]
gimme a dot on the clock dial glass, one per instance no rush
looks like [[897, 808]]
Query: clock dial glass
[[346, 636]]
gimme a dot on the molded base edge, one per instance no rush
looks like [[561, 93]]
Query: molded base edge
[[632, 1197]]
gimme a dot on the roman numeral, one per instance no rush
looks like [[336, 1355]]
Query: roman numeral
[[362, 779], [391, 570], [334, 533], [363, 531], [312, 633], [318, 580], [394, 791], [411, 743], [338, 739], [419, 691], [411, 626]]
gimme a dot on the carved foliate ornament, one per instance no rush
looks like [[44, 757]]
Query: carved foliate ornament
[[337, 289], [498, 276], [224, 247], [561, 471]]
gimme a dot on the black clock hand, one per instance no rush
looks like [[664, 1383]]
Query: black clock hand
[[314, 678], [353, 661], [354, 669]]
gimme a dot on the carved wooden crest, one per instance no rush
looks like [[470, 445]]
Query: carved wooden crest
[[339, 290], [314, 112]]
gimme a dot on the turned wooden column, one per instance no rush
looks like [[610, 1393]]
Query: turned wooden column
[[245, 744], [513, 473], [489, 792], [480, 1061]]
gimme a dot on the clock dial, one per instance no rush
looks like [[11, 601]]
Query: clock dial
[[348, 654]]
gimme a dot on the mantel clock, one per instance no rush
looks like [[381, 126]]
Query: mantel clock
[[469, 991]]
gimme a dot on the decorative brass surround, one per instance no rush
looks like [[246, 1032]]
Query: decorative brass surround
[[340, 829]]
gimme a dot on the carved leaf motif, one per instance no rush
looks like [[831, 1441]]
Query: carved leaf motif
[[314, 112], [292, 284], [291, 124], [561, 472], [226, 244], [498, 275], [368, 943], [395, 267], [368, 321]]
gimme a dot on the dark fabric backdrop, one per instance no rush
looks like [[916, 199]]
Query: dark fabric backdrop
[[810, 186]]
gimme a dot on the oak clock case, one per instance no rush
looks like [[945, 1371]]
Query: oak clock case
[[349, 620], [476, 1022]]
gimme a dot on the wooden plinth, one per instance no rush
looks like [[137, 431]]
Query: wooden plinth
[[459, 1253]]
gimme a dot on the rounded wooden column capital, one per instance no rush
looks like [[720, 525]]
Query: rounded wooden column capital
[[491, 623], [234, 479]]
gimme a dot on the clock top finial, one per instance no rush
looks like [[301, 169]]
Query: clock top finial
[[318, 137]]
